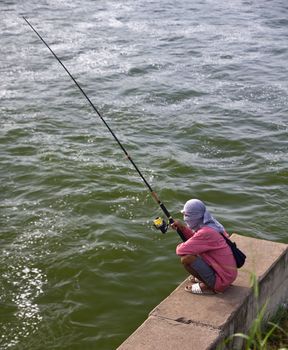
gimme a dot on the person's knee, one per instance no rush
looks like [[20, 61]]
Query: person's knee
[[188, 259]]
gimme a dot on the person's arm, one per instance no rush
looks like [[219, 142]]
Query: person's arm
[[200, 242], [187, 259], [186, 231]]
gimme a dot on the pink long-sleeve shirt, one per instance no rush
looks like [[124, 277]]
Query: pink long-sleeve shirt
[[212, 247]]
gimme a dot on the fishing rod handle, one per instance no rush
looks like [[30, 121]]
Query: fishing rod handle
[[180, 233]]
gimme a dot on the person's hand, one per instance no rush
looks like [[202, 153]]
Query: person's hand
[[177, 224]]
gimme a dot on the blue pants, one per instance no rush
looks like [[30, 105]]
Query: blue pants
[[205, 271]]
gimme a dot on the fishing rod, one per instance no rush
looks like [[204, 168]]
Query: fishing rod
[[159, 223]]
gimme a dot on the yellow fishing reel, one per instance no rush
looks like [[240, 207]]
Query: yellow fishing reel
[[160, 224]]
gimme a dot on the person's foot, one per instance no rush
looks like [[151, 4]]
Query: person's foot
[[193, 279], [199, 288]]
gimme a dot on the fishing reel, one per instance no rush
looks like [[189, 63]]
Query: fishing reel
[[160, 224]]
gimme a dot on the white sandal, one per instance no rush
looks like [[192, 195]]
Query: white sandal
[[196, 289]]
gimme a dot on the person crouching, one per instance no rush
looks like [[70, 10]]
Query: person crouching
[[205, 254]]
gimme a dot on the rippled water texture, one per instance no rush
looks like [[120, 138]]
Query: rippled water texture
[[197, 92]]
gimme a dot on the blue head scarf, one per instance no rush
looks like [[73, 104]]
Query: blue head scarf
[[196, 216]]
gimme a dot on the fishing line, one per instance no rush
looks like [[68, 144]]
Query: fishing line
[[159, 223]]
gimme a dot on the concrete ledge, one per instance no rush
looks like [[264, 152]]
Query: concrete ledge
[[161, 333], [183, 320]]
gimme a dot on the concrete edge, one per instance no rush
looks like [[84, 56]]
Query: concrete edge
[[272, 279]]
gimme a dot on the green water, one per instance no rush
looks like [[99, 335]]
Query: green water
[[198, 94]]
